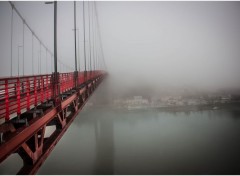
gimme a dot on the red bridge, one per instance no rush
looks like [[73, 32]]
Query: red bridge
[[30, 104]]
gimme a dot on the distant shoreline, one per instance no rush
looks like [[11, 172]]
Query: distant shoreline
[[186, 108], [217, 106]]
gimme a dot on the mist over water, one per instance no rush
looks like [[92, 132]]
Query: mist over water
[[172, 44], [106, 140], [170, 103]]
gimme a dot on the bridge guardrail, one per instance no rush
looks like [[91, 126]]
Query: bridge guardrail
[[19, 94]]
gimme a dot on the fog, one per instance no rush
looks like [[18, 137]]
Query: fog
[[170, 103], [163, 45], [175, 44]]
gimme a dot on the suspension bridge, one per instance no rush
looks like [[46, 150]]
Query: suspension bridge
[[29, 104]]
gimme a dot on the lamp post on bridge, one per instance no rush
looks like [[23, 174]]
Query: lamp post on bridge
[[84, 35], [78, 49], [78, 52], [75, 43], [56, 88]]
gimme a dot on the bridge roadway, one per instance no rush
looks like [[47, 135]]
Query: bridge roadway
[[30, 104]]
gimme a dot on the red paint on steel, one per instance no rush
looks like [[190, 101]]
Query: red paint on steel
[[18, 93], [47, 88], [22, 92], [34, 168], [67, 101], [28, 95], [35, 91], [42, 94], [18, 97], [22, 135], [6, 100]]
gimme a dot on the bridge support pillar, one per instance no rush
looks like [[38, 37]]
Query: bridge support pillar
[[76, 79], [55, 86], [31, 150]]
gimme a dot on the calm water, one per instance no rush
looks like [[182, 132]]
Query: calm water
[[102, 140]]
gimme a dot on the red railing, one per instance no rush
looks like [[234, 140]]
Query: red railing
[[19, 94], [66, 81]]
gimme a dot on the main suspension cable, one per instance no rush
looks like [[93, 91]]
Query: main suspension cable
[[23, 46], [18, 13], [100, 40]]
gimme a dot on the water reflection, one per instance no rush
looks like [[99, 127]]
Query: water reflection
[[104, 140], [104, 146], [108, 141], [177, 144]]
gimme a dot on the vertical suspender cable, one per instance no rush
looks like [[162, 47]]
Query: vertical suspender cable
[[32, 53], [97, 51], [51, 63], [46, 62], [78, 53], [97, 44], [89, 27], [40, 55], [26, 24], [75, 43], [55, 38], [96, 48], [18, 60], [39, 59], [84, 40], [75, 39], [11, 37], [93, 37], [100, 41], [23, 45]]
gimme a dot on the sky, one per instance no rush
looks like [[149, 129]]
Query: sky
[[159, 44]]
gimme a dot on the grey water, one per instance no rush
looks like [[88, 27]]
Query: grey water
[[105, 140]]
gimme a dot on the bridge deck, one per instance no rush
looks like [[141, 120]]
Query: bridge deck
[[18, 94], [31, 98]]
